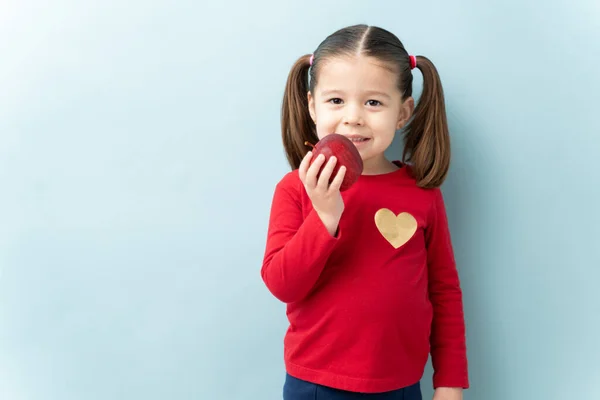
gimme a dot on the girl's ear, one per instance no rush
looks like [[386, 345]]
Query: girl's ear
[[406, 111], [311, 107]]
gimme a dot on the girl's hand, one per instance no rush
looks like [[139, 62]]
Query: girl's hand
[[326, 199], [447, 393]]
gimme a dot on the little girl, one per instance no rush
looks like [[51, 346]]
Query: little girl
[[368, 274]]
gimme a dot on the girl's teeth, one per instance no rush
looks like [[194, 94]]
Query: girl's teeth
[[358, 139]]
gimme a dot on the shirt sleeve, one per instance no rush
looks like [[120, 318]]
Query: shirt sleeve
[[448, 339], [297, 248]]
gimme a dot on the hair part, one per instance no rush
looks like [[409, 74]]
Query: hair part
[[426, 137]]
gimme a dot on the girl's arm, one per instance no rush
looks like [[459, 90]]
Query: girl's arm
[[297, 249], [448, 343]]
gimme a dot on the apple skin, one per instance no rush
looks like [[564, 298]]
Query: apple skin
[[346, 154]]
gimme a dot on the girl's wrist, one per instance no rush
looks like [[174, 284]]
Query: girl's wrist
[[331, 223]]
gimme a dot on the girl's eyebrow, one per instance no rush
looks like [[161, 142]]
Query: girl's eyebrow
[[378, 93], [331, 92], [370, 92]]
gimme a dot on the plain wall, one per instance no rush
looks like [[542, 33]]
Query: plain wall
[[139, 149]]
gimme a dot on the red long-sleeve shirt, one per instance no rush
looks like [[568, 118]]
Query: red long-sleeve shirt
[[364, 311]]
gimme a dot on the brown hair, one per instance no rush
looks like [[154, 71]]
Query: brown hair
[[426, 139]]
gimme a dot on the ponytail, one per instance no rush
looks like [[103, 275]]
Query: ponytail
[[427, 141], [296, 123]]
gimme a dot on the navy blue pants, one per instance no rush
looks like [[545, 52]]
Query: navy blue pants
[[297, 389]]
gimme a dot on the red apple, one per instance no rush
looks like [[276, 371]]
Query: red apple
[[346, 154]]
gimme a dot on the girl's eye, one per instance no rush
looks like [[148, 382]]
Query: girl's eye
[[373, 103]]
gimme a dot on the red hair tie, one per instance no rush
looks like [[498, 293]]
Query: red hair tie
[[413, 62]]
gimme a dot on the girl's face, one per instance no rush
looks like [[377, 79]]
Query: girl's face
[[358, 97]]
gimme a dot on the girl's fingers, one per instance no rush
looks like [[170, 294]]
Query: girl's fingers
[[313, 170], [323, 182], [302, 169], [339, 178]]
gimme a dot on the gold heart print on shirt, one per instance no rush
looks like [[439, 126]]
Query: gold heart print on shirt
[[396, 229]]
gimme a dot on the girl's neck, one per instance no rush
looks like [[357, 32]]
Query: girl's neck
[[379, 166]]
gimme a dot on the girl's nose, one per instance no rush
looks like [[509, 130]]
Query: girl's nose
[[353, 116]]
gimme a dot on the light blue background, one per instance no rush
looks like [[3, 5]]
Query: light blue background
[[139, 148]]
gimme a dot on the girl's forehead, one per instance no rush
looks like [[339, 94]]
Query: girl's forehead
[[356, 73]]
